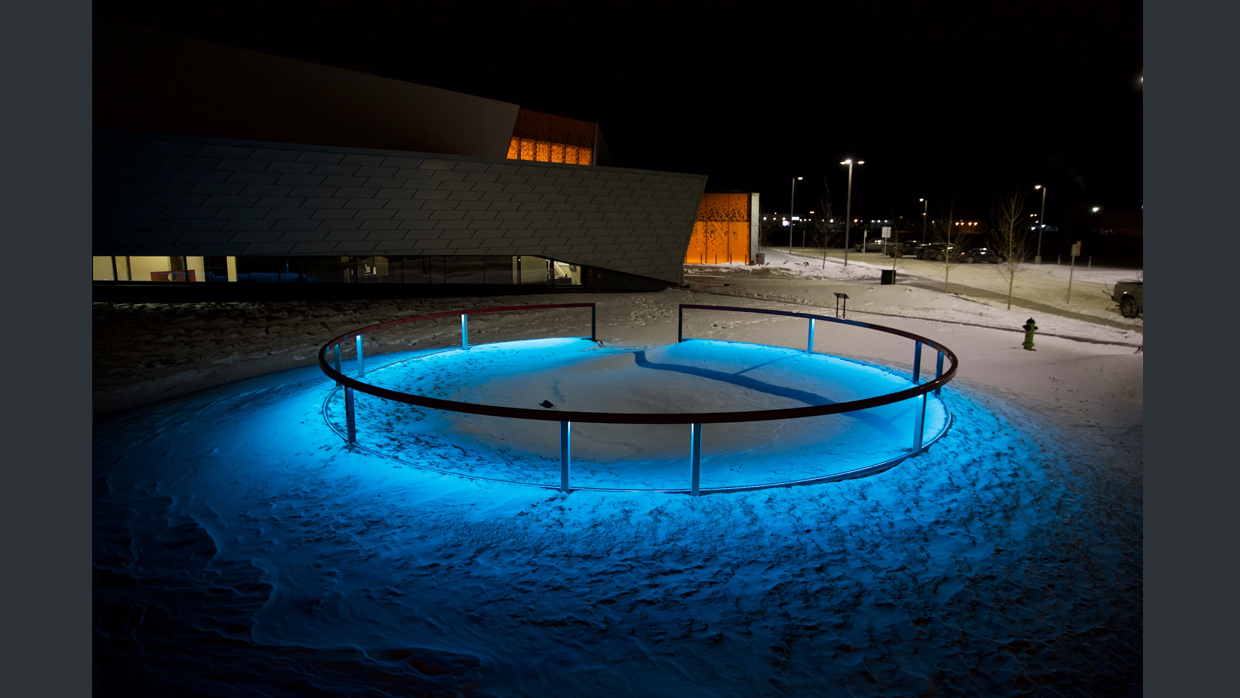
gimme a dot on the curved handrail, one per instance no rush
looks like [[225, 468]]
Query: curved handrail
[[638, 417]]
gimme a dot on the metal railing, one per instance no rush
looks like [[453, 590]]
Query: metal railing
[[333, 369]]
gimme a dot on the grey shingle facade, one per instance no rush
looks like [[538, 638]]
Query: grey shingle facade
[[158, 194]]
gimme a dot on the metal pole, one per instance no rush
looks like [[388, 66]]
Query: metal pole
[[464, 331], [338, 358], [1041, 226], [695, 465], [791, 209], [593, 330], [810, 345], [565, 454], [848, 213], [919, 423], [350, 423], [938, 372], [1071, 268], [680, 326], [361, 361], [924, 211], [916, 362]]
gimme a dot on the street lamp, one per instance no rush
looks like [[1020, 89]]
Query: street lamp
[[1037, 258], [792, 210], [924, 210], [848, 206]]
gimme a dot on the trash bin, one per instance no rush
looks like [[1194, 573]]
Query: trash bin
[[889, 277]]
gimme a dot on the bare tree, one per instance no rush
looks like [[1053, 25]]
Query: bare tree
[[894, 240], [949, 235], [822, 224], [1011, 240], [765, 228]]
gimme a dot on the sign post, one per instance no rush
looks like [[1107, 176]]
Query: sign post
[[886, 237], [1076, 252]]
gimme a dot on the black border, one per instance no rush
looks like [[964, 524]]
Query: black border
[[1189, 163], [47, 473]]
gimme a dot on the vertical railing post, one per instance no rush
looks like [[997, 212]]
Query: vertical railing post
[[361, 360], [565, 454], [464, 331], [809, 347], [917, 363], [938, 372], [350, 422], [338, 358], [680, 326], [919, 422], [695, 458], [593, 325]]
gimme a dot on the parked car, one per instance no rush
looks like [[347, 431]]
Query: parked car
[[980, 254], [1129, 296], [874, 244], [935, 251], [902, 248]]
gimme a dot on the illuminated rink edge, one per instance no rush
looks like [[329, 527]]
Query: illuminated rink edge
[[743, 442]]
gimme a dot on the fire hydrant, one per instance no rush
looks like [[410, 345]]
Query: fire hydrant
[[1030, 328]]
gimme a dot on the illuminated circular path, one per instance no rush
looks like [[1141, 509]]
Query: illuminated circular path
[[572, 374]]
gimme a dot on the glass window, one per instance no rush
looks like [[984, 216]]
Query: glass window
[[465, 269], [260, 270], [533, 270], [156, 269], [498, 270], [417, 270], [565, 274], [196, 267], [103, 269], [217, 268], [375, 270]]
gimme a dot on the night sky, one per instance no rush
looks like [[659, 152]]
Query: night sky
[[951, 101]]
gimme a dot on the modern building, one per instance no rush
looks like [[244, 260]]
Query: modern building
[[224, 173]]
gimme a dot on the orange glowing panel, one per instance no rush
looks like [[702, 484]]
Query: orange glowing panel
[[527, 149], [721, 232], [514, 149], [570, 154], [557, 152], [583, 156], [542, 151]]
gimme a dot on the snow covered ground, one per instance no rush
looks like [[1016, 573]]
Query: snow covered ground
[[239, 543]]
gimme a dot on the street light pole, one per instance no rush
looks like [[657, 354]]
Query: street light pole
[[848, 206], [1037, 259], [791, 210], [924, 210]]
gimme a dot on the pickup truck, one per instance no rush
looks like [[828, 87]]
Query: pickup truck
[[1128, 294]]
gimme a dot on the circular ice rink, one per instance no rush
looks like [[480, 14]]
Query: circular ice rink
[[697, 376]]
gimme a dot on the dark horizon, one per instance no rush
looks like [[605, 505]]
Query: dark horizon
[[963, 104]]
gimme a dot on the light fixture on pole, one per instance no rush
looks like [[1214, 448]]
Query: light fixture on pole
[[848, 206], [1037, 258], [791, 211], [924, 210]]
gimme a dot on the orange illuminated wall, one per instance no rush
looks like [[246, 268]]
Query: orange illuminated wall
[[550, 138], [721, 230]]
